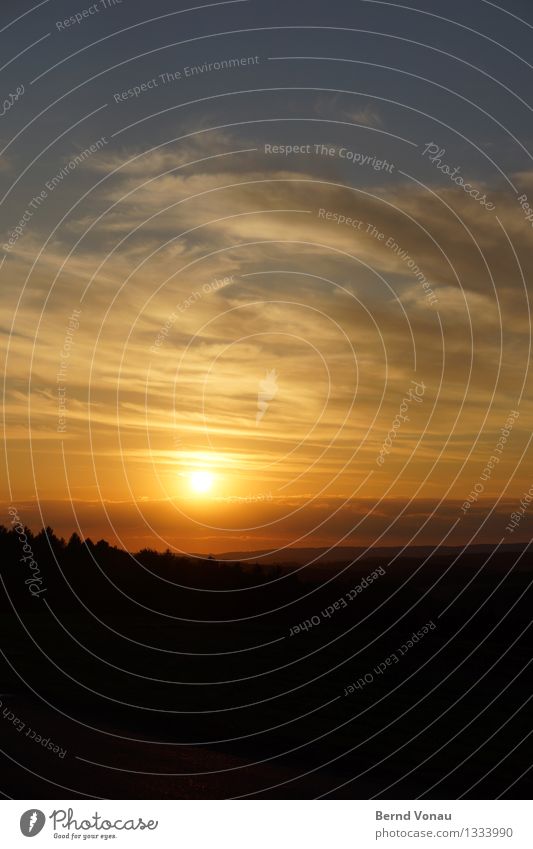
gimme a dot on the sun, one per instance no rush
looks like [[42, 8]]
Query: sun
[[201, 482]]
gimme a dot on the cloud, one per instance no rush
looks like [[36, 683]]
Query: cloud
[[368, 115], [358, 523], [163, 352], [340, 106]]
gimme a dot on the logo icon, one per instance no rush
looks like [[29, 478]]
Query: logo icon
[[32, 822], [268, 389]]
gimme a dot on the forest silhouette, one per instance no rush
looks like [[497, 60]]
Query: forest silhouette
[[234, 673]]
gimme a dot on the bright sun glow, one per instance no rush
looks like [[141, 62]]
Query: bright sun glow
[[201, 482]]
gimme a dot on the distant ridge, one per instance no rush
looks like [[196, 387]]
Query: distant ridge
[[342, 554]]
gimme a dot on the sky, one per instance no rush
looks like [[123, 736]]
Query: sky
[[249, 304]]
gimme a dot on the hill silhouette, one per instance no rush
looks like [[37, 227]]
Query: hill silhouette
[[167, 676]]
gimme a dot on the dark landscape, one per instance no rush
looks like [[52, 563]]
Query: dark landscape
[[195, 658]]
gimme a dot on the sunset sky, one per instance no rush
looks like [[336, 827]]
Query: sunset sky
[[241, 353]]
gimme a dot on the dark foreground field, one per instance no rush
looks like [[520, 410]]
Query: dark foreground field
[[119, 681]]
